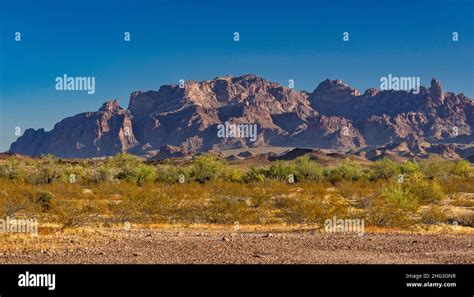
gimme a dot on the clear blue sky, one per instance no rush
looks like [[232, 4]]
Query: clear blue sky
[[170, 40]]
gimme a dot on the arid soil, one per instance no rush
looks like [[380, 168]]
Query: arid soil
[[217, 247]]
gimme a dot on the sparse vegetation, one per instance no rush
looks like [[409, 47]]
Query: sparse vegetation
[[434, 214], [124, 188]]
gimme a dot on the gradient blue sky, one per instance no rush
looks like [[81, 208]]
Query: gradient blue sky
[[170, 40]]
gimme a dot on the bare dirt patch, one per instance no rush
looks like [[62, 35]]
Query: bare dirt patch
[[217, 247]]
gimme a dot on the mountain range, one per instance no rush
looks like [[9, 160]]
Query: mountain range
[[181, 120]]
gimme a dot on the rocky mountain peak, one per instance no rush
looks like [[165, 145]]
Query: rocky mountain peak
[[110, 106], [186, 119], [371, 92], [436, 89], [335, 88], [328, 84]]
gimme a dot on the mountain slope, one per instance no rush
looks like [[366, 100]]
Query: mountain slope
[[332, 116]]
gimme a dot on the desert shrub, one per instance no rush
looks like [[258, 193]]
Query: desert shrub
[[206, 167], [68, 216], [251, 203], [280, 170], [409, 167], [119, 189], [12, 202], [134, 206], [452, 186], [312, 190], [436, 167], [308, 170], [384, 169], [47, 171], [415, 190], [433, 214], [188, 203], [125, 165], [227, 209], [10, 169], [334, 206], [233, 174], [346, 171], [254, 174], [425, 191], [171, 203], [44, 199], [399, 196], [381, 213], [463, 169], [206, 203], [71, 210], [299, 211], [72, 173], [106, 173], [360, 189], [144, 173], [170, 174], [309, 204]]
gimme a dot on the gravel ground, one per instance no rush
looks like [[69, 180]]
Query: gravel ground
[[158, 246]]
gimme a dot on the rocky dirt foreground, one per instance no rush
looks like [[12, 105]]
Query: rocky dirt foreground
[[158, 246]]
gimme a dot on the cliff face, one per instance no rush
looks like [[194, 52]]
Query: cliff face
[[383, 116], [188, 117], [91, 134]]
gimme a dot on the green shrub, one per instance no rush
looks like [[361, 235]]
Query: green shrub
[[384, 169], [308, 170], [125, 165], [381, 213], [255, 175], [436, 167], [409, 167], [426, 191], [10, 169], [346, 171], [233, 174], [206, 167], [72, 173], [144, 173], [106, 173], [463, 169], [280, 170], [170, 174], [48, 170], [399, 196]]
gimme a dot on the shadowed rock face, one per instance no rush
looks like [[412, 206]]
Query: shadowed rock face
[[91, 134], [384, 116], [332, 116]]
